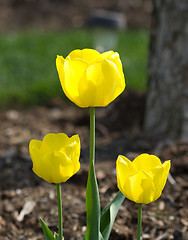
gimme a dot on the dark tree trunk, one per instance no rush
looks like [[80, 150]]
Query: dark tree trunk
[[167, 100]]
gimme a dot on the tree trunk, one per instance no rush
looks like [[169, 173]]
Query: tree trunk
[[167, 100]]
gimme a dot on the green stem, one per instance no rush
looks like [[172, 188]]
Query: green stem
[[92, 135], [139, 221], [92, 192], [60, 211]]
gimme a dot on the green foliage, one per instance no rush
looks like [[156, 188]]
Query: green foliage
[[92, 191], [28, 73], [108, 215], [47, 233], [133, 49], [92, 207]]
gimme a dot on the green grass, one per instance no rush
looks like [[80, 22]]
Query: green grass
[[28, 74], [133, 49]]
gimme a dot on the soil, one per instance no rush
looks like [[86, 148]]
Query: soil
[[60, 15], [25, 198]]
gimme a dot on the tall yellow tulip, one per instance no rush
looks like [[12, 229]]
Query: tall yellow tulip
[[56, 158], [143, 179], [91, 79]]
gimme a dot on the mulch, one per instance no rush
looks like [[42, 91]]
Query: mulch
[[25, 198], [61, 15]]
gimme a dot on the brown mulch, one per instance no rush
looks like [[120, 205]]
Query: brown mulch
[[25, 198], [60, 15]]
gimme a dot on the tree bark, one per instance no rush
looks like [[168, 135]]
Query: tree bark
[[167, 99]]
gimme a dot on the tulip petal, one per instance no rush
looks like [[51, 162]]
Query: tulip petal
[[104, 84], [139, 187], [35, 153], [114, 57], [160, 175], [52, 142], [107, 54], [63, 167], [74, 78], [166, 169], [146, 162], [34, 144], [124, 168], [60, 66], [55, 167], [75, 70], [88, 55], [128, 167], [73, 151]]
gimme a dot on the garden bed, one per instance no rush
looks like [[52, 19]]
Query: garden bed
[[25, 198]]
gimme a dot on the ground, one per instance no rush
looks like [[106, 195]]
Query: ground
[[60, 15], [25, 198]]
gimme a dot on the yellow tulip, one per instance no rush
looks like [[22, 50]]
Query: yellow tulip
[[91, 79], [56, 158], [143, 179]]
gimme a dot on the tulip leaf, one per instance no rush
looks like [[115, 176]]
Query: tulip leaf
[[47, 233], [57, 236], [92, 191], [101, 237], [92, 207], [108, 215]]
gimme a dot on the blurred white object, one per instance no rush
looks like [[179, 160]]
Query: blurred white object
[[103, 18], [27, 209], [106, 23]]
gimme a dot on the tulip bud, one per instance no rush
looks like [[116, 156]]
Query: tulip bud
[[56, 158], [91, 79], [143, 179]]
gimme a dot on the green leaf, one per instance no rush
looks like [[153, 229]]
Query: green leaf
[[47, 233], [101, 237], [57, 237], [92, 207], [92, 191], [108, 215]]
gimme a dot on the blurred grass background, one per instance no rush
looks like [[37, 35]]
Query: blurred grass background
[[28, 73]]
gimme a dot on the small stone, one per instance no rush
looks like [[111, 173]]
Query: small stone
[[8, 206], [100, 175], [161, 205]]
